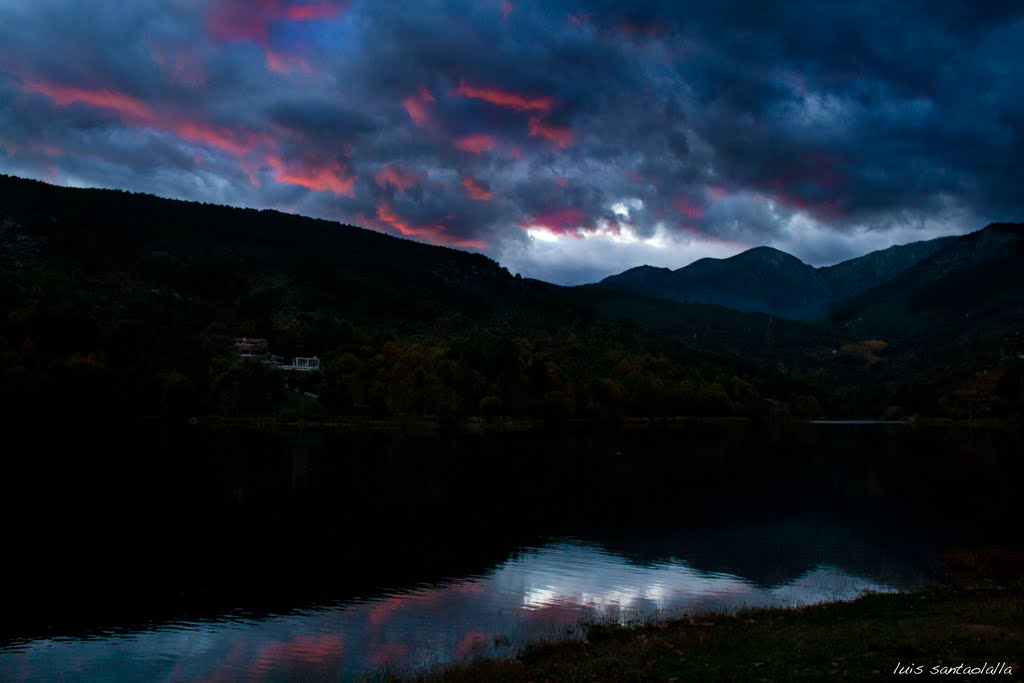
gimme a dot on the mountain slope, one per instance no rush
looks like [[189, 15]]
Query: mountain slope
[[167, 245], [767, 280], [848, 278], [118, 304], [762, 279], [127, 304], [971, 288]]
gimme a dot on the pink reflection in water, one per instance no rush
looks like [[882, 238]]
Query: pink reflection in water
[[322, 651], [547, 592]]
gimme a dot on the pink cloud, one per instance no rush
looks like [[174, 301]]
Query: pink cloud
[[505, 98], [688, 209], [475, 143], [561, 137], [398, 178], [476, 189], [103, 98], [437, 234], [224, 139], [136, 112], [283, 63], [416, 106], [559, 222], [251, 20], [324, 177], [314, 11], [239, 20]]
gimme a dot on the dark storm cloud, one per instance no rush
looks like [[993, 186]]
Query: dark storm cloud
[[643, 131]]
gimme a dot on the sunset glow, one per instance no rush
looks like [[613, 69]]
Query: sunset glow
[[490, 117]]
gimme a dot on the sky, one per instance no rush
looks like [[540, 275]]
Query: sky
[[568, 140]]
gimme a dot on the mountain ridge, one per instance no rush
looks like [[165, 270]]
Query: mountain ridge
[[128, 304], [768, 280]]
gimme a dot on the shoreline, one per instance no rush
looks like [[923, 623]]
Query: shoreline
[[865, 639], [487, 425]]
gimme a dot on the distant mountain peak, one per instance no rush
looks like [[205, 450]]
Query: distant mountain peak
[[764, 249], [768, 280], [770, 254], [762, 254], [647, 269]]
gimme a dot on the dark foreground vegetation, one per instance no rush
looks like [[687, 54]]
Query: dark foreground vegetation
[[127, 305], [869, 639]]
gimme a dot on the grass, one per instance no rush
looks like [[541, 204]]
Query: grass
[[860, 640]]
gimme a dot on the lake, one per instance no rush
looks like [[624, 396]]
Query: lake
[[202, 554]]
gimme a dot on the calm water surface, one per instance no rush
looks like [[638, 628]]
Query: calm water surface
[[193, 555]]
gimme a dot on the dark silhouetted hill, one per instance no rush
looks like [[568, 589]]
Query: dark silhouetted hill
[[970, 289], [767, 280], [121, 303]]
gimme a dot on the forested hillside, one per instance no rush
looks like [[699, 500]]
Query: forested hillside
[[118, 304], [128, 304]]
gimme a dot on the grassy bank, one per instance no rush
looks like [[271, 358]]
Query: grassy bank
[[861, 640]]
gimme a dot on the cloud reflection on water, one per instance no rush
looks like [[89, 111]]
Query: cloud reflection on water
[[539, 592]]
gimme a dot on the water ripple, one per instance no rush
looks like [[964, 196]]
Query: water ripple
[[543, 591]]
